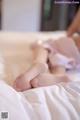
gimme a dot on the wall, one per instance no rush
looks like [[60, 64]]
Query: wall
[[21, 15]]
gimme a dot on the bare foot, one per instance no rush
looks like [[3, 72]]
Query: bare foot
[[47, 79], [23, 81], [21, 84]]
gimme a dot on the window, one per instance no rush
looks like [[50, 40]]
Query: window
[[57, 16]]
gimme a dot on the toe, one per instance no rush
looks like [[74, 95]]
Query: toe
[[21, 85], [15, 87], [34, 83]]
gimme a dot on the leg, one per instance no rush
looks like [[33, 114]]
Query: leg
[[58, 70], [23, 81], [48, 79]]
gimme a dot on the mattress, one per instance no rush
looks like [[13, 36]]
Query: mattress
[[56, 102]]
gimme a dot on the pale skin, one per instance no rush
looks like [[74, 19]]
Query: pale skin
[[39, 66], [39, 74], [75, 27]]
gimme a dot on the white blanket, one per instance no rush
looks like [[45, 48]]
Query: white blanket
[[56, 102]]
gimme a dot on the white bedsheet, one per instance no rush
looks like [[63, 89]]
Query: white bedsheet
[[57, 102]]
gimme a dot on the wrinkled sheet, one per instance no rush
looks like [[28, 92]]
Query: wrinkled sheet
[[49, 103], [57, 102]]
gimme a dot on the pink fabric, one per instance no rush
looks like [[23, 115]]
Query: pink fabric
[[62, 52]]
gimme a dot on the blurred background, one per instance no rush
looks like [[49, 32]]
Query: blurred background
[[35, 15]]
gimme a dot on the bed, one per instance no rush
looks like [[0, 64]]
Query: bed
[[57, 102]]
